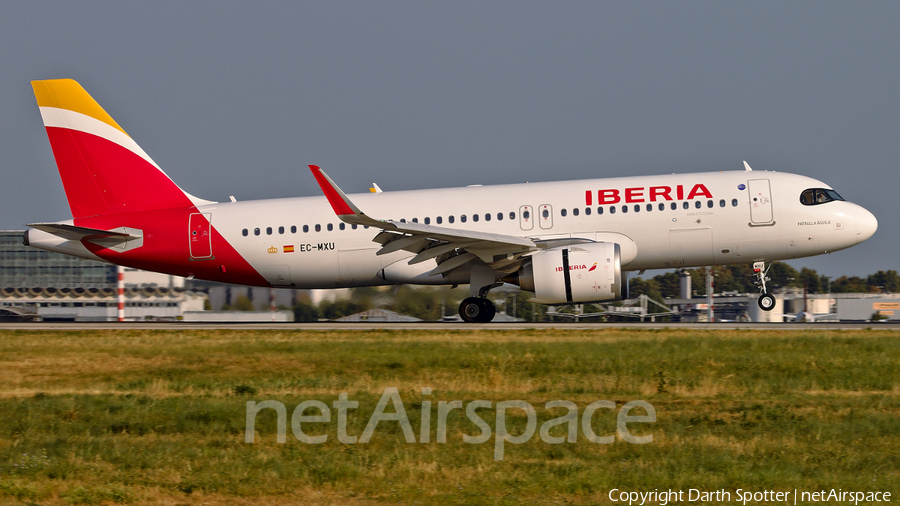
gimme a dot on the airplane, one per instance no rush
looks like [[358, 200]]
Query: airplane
[[565, 241]]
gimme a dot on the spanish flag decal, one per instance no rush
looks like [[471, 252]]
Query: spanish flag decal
[[289, 248]]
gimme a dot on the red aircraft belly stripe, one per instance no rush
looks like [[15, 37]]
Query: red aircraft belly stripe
[[166, 247]]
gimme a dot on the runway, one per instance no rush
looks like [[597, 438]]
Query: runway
[[438, 326]]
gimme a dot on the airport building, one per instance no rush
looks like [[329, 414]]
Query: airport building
[[42, 285], [26, 267]]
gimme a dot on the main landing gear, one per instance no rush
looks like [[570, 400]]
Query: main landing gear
[[477, 310], [766, 300]]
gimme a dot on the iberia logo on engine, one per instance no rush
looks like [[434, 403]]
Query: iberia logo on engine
[[578, 267]]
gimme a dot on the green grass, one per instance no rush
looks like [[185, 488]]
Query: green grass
[[108, 417]]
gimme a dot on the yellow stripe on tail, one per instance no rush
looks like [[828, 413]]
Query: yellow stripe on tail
[[68, 94]]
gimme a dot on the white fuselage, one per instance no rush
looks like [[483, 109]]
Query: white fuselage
[[736, 217]]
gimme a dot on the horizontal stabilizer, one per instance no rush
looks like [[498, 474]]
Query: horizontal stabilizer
[[73, 233]]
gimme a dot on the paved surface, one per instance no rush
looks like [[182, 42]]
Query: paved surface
[[438, 326]]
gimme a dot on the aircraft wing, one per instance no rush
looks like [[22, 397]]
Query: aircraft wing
[[450, 247]]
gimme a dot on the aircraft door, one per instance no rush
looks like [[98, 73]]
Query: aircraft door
[[546, 216], [199, 236], [526, 217], [760, 202]]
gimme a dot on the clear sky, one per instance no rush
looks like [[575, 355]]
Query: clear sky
[[237, 98]]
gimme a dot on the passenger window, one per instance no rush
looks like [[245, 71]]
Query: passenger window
[[709, 203], [722, 203], [427, 220], [662, 207], [686, 204], [415, 220], [599, 210], [500, 217], [637, 208], [649, 207], [475, 217], [330, 227], [440, 220], [342, 225], [562, 212], [674, 206], [574, 211], [698, 204], [450, 219], [268, 230], [245, 232], [293, 229], [462, 218], [545, 213], [587, 211], [353, 226], [733, 202], [512, 215], [280, 230], [526, 215], [624, 209], [305, 229], [487, 216], [612, 209], [318, 227]]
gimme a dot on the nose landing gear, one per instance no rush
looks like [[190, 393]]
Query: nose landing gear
[[766, 300], [477, 310]]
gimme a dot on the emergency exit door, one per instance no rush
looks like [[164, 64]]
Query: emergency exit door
[[526, 220], [199, 236], [546, 217]]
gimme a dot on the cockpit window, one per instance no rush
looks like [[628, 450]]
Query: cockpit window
[[816, 196]]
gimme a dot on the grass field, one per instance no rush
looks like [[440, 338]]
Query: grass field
[[107, 417]]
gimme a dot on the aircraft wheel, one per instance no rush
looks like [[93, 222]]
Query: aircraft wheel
[[476, 310], [471, 310], [766, 302]]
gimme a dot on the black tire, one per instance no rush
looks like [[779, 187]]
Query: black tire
[[471, 310], [489, 310], [766, 302], [476, 310]]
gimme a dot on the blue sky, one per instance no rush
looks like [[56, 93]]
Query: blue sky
[[237, 98]]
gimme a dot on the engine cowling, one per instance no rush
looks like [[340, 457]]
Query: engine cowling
[[577, 273]]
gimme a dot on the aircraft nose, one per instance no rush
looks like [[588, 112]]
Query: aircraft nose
[[866, 225]]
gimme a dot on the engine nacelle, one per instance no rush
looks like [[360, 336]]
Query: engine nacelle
[[576, 273]]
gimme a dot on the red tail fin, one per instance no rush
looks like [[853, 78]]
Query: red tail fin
[[102, 169]]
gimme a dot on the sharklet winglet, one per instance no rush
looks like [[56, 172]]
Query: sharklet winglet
[[343, 207]]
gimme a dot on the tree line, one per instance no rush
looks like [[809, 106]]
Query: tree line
[[433, 303], [740, 278]]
